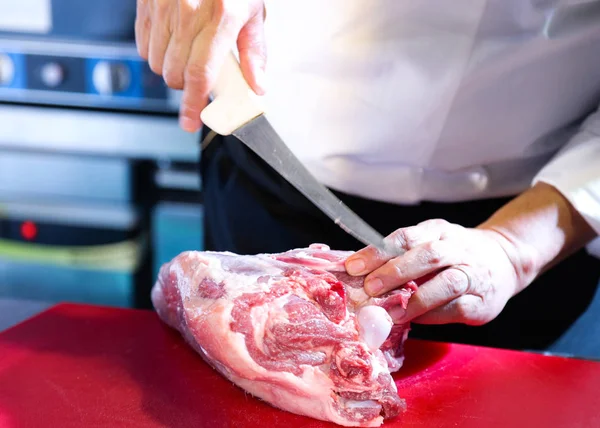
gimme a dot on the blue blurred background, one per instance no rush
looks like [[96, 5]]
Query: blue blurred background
[[98, 185]]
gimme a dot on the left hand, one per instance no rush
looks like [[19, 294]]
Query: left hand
[[465, 275]]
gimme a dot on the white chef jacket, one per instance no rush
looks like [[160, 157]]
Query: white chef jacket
[[405, 101]]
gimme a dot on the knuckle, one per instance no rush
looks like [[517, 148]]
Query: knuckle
[[396, 269], [155, 65], [411, 237], [456, 281], [161, 7], [471, 310], [146, 24], [434, 222], [178, 40], [466, 310], [191, 102], [142, 25], [142, 49], [173, 79], [196, 75], [187, 17], [404, 238], [433, 253], [182, 28]]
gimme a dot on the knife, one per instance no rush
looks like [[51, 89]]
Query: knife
[[236, 110]]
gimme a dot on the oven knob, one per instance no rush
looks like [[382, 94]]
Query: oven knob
[[110, 78], [7, 70], [52, 74]]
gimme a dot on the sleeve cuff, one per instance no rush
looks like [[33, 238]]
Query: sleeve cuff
[[576, 174]]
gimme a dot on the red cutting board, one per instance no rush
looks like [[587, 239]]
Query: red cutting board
[[85, 366]]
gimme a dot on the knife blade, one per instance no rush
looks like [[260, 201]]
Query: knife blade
[[236, 110], [260, 137]]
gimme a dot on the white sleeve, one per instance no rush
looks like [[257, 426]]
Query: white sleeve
[[575, 171]]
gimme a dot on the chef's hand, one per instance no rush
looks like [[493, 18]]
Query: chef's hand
[[467, 275], [186, 41]]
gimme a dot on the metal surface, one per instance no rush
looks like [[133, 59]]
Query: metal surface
[[110, 20], [88, 74], [96, 133], [58, 176], [260, 137]]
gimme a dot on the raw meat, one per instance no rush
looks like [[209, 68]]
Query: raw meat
[[293, 329]]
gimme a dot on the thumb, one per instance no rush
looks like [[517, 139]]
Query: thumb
[[253, 52]]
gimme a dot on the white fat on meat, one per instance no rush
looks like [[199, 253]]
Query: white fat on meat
[[375, 325], [263, 314], [316, 405]]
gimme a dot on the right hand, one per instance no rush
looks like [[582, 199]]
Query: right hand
[[186, 42]]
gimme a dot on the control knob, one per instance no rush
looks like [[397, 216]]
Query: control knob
[[52, 74], [7, 70], [110, 78]]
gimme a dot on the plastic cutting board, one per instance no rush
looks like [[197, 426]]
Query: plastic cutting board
[[86, 366]]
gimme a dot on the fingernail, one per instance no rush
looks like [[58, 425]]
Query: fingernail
[[374, 286], [397, 313], [188, 124], [355, 266]]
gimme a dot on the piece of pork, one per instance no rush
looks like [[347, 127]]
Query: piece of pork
[[292, 329]]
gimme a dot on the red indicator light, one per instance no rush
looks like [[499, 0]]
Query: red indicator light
[[29, 230]]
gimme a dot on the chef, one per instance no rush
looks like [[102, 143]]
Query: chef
[[468, 132]]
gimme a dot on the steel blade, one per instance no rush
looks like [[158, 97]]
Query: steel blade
[[261, 138]]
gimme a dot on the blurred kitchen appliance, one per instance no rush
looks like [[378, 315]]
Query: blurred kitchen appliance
[[77, 253], [81, 74], [80, 54], [88, 205], [177, 217], [106, 20], [70, 231]]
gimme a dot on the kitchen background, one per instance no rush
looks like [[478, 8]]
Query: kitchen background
[[98, 185]]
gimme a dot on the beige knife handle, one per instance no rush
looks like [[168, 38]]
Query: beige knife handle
[[234, 103]]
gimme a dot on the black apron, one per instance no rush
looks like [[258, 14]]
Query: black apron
[[250, 209]]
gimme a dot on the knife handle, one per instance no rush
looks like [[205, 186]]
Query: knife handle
[[234, 103]]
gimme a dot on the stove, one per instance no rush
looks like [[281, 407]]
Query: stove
[[77, 54], [98, 183], [88, 74]]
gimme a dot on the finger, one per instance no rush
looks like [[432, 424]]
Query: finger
[[416, 263], [176, 56], [443, 288], [187, 22], [253, 53], [160, 34], [206, 58], [404, 239], [466, 309], [142, 28]]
